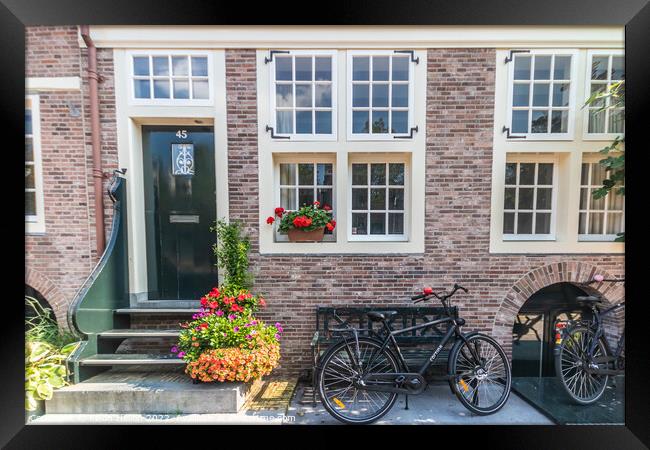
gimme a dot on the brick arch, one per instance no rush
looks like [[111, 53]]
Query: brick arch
[[559, 272], [39, 282]]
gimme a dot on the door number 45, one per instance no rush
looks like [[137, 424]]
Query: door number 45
[[181, 134]]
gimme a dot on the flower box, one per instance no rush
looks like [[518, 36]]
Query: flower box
[[234, 363], [298, 235]]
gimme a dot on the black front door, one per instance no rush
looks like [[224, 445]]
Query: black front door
[[180, 208]]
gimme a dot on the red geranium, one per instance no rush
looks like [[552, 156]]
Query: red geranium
[[270, 220], [316, 203], [327, 207], [279, 211], [301, 222]]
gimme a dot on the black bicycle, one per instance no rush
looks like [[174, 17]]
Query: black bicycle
[[360, 377], [583, 359]]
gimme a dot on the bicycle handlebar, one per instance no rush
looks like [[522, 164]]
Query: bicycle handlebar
[[427, 292], [600, 278]]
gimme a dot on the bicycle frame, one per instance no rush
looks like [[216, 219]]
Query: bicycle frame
[[600, 332]]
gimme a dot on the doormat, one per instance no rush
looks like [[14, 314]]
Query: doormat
[[271, 395]]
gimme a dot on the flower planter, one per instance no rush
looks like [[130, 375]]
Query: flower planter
[[298, 235], [234, 364]]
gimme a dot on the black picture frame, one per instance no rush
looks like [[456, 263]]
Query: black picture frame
[[634, 14]]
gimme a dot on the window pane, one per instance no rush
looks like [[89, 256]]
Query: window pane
[[360, 68], [324, 174], [584, 174], [400, 68], [360, 95], [199, 66], [598, 174], [618, 68], [28, 121], [284, 95], [161, 89], [380, 68], [379, 95], [303, 122], [161, 65], [520, 121], [360, 174], [561, 94], [545, 173], [511, 173], [283, 68], [540, 94], [596, 121], [181, 89], [396, 174], [598, 88], [141, 88], [520, 94], [582, 223], [614, 223], [305, 197], [284, 122], [596, 223], [287, 174], [29, 177], [288, 198], [395, 223], [377, 223], [29, 149], [599, 67], [359, 223], [396, 199], [539, 122], [379, 121], [522, 67], [141, 65], [359, 198], [584, 198], [542, 68], [200, 89], [527, 173], [323, 68], [509, 198], [543, 223], [378, 174], [324, 196], [615, 200], [30, 203], [559, 121], [323, 95], [360, 121], [616, 121], [544, 198], [303, 68], [399, 122], [323, 122], [562, 69], [303, 95], [306, 174], [525, 198], [180, 65], [508, 223], [377, 199], [400, 95], [596, 203], [525, 223]]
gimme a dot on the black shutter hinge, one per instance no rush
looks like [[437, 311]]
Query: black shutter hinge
[[414, 59], [271, 53], [410, 136], [508, 135], [509, 58], [273, 136]]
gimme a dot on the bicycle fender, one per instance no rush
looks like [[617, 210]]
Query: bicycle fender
[[452, 352]]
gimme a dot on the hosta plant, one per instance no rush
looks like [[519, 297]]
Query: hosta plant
[[44, 371]]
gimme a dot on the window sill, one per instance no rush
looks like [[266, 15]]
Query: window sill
[[528, 237], [346, 247]]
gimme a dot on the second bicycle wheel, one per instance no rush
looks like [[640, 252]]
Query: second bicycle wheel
[[338, 385]]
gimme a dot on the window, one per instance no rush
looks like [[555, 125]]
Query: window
[[600, 219], [529, 200], [164, 77], [378, 199], [304, 182], [34, 212], [303, 95], [541, 95], [605, 70], [380, 95]]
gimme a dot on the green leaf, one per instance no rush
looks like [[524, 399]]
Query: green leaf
[[45, 390], [69, 348], [30, 402], [620, 237], [37, 351]]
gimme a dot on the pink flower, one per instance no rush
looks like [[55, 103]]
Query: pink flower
[[220, 313], [599, 278]]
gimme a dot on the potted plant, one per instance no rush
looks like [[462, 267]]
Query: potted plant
[[307, 224]]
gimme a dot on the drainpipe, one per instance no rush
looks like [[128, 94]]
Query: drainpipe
[[98, 175]]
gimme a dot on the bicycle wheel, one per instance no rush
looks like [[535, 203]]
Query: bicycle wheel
[[571, 362], [482, 383], [339, 391]]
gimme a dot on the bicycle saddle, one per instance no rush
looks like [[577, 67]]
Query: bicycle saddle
[[377, 316], [589, 299]]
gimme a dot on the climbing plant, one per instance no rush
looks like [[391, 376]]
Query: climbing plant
[[231, 251]]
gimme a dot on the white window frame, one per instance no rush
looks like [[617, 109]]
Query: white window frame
[[35, 224], [589, 159], [298, 158], [349, 109], [168, 101], [569, 135], [380, 159], [537, 159], [587, 92], [334, 85]]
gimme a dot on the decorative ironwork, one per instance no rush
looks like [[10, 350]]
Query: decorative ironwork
[[506, 130], [268, 59], [414, 59], [410, 135], [510, 57], [183, 159], [273, 135]]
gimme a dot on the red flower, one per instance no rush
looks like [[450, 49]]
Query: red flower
[[214, 305], [215, 292], [301, 222], [333, 222], [204, 325], [329, 226], [241, 297], [317, 203], [327, 207], [279, 211], [270, 220], [262, 302], [204, 301]]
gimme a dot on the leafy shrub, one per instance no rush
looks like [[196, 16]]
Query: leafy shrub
[[231, 251]]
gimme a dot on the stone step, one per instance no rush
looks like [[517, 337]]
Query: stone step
[[148, 392], [134, 333], [117, 359]]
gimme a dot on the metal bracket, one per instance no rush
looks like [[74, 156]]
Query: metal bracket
[[414, 59], [114, 182], [273, 136], [508, 135], [410, 136], [509, 58], [271, 53]]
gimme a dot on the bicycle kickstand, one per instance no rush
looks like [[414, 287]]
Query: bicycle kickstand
[[407, 401]]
